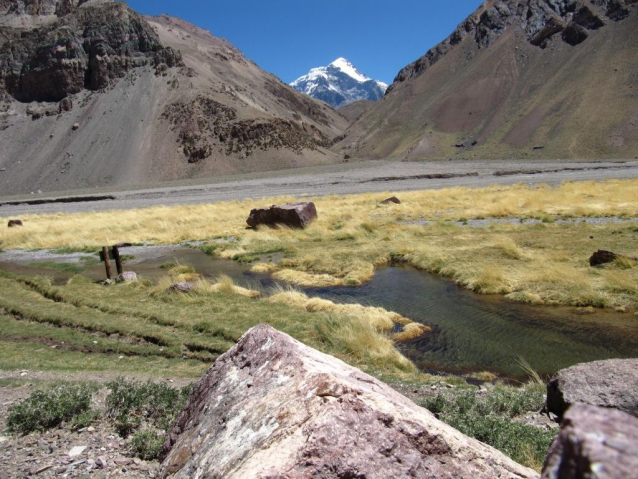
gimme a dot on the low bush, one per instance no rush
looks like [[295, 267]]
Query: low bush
[[84, 419], [132, 403], [490, 419], [147, 445], [49, 408]]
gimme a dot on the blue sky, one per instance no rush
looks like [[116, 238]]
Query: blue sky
[[288, 37]]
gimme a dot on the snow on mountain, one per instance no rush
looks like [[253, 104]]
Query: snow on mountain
[[339, 84]]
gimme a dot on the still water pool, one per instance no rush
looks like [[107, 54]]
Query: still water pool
[[471, 332]]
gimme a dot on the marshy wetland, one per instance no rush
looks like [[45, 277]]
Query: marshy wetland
[[500, 274], [477, 283], [470, 332]]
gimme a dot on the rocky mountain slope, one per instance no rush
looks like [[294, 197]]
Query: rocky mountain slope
[[339, 84], [517, 79], [354, 110], [94, 94]]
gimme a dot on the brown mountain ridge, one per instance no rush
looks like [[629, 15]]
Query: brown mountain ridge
[[518, 79], [94, 94]]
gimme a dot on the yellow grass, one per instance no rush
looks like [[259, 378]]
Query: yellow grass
[[202, 286], [263, 268], [411, 331], [354, 235], [380, 319]]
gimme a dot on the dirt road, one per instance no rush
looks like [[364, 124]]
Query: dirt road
[[374, 176]]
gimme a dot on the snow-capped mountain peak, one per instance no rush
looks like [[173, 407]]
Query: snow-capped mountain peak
[[348, 68], [339, 83]]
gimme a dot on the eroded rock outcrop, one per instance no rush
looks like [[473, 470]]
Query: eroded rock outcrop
[[294, 215], [206, 126], [611, 384], [85, 45], [594, 443], [272, 407]]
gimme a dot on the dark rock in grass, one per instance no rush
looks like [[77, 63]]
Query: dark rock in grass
[[180, 288], [601, 257], [294, 215], [392, 199], [594, 443], [126, 277], [14, 223], [610, 384], [273, 407]]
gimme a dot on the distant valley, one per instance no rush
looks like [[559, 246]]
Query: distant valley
[[95, 94]]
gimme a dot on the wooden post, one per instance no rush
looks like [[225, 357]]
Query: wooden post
[[118, 260], [107, 261]]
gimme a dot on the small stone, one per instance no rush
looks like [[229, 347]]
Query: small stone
[[180, 287], [126, 277], [75, 126], [123, 461], [101, 462], [91, 429], [42, 469], [76, 451]]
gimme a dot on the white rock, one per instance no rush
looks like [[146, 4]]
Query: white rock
[[77, 450]]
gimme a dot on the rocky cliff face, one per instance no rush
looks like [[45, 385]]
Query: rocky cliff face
[[540, 20], [85, 46]]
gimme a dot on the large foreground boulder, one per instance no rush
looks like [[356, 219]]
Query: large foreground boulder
[[294, 215], [274, 408], [612, 383], [594, 443]]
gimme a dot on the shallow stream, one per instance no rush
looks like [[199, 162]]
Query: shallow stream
[[471, 332]]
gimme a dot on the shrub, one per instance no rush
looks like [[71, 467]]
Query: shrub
[[84, 419], [132, 402], [48, 409], [147, 445], [490, 419]]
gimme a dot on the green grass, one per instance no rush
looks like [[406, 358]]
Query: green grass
[[490, 418], [132, 327]]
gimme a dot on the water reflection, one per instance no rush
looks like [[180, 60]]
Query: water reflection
[[471, 332]]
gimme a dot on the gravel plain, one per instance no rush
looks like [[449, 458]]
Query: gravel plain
[[351, 178]]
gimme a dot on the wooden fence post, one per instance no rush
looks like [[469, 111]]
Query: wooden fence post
[[107, 261], [118, 260]]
